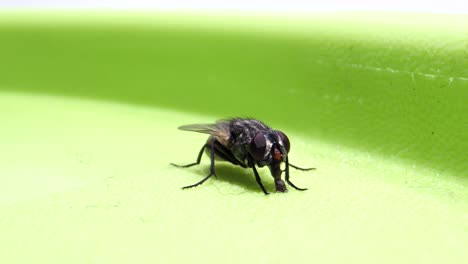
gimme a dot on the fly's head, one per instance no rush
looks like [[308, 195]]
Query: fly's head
[[270, 148]]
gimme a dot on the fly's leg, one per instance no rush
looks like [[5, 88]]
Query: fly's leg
[[257, 177], [301, 169], [212, 166], [192, 164], [287, 176]]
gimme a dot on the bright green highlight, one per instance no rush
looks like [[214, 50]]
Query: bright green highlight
[[90, 102]]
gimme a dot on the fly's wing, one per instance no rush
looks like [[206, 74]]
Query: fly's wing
[[219, 130]]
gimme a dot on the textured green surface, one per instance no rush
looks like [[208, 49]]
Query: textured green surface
[[377, 102]]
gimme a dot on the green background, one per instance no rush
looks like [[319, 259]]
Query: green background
[[90, 102]]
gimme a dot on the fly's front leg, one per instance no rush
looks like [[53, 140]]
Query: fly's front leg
[[301, 169], [287, 177], [257, 177]]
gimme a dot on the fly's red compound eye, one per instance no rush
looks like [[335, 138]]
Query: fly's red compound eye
[[284, 139], [258, 146]]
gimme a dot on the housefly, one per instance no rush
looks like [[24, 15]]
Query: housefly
[[247, 143]]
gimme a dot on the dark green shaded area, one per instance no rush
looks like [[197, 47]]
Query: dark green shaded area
[[393, 87]]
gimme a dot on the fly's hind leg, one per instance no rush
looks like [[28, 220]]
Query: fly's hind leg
[[212, 166], [192, 164]]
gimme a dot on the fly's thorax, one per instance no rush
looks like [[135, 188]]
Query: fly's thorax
[[242, 131]]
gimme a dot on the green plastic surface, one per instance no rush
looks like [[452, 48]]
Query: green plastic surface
[[90, 103]]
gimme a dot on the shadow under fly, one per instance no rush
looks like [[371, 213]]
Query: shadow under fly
[[247, 143]]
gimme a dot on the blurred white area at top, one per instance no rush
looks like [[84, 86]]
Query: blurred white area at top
[[446, 6]]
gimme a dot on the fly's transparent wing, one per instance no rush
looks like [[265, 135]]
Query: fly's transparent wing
[[220, 130]]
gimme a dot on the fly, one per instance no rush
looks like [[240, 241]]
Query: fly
[[247, 143]]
